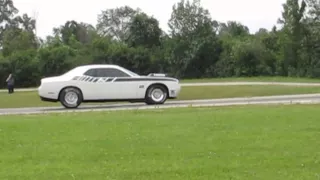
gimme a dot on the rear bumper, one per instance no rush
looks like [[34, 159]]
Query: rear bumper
[[47, 94]]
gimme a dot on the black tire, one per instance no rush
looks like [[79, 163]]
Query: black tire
[[150, 98], [73, 103]]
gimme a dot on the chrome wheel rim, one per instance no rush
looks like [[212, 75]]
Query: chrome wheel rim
[[71, 98], [157, 95]]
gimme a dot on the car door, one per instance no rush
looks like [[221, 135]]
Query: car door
[[92, 85], [113, 89]]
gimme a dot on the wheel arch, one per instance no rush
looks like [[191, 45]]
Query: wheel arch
[[158, 84], [70, 87]]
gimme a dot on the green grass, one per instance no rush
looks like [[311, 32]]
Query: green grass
[[207, 92], [31, 99], [253, 142]]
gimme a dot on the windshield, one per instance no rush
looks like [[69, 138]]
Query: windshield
[[131, 73]]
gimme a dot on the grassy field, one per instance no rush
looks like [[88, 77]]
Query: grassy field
[[253, 142], [31, 99]]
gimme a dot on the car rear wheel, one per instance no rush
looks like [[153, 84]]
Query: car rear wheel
[[70, 97], [156, 94]]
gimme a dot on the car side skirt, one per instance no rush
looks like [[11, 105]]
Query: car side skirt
[[48, 99], [102, 100]]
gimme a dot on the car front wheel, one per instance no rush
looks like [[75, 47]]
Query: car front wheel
[[156, 94], [70, 97]]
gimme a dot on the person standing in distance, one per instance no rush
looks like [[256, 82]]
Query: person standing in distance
[[10, 82]]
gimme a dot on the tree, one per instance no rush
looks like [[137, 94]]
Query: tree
[[292, 35], [311, 39], [17, 40], [144, 31], [115, 22], [233, 28], [191, 27], [27, 23], [7, 17], [196, 45], [82, 32], [187, 17]]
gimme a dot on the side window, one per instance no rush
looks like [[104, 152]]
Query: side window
[[111, 72], [91, 72], [105, 72]]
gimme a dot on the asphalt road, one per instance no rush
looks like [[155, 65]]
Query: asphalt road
[[211, 84], [309, 98], [288, 99]]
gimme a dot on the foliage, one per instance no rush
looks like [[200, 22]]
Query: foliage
[[196, 46]]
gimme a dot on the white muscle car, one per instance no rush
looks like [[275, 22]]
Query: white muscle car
[[105, 83]]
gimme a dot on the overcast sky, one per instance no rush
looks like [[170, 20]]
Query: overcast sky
[[53, 13]]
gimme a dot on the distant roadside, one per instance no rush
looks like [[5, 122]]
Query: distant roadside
[[276, 79], [253, 79]]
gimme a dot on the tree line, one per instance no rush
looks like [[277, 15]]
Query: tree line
[[196, 45]]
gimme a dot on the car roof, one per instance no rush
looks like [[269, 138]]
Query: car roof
[[83, 68], [99, 66]]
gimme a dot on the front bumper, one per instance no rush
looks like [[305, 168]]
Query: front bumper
[[173, 93]]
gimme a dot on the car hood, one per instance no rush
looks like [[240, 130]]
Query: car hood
[[159, 78]]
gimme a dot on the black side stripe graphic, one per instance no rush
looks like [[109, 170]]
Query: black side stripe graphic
[[142, 79], [110, 79], [91, 79], [82, 78], [87, 79]]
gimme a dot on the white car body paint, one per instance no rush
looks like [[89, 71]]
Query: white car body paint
[[105, 88]]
